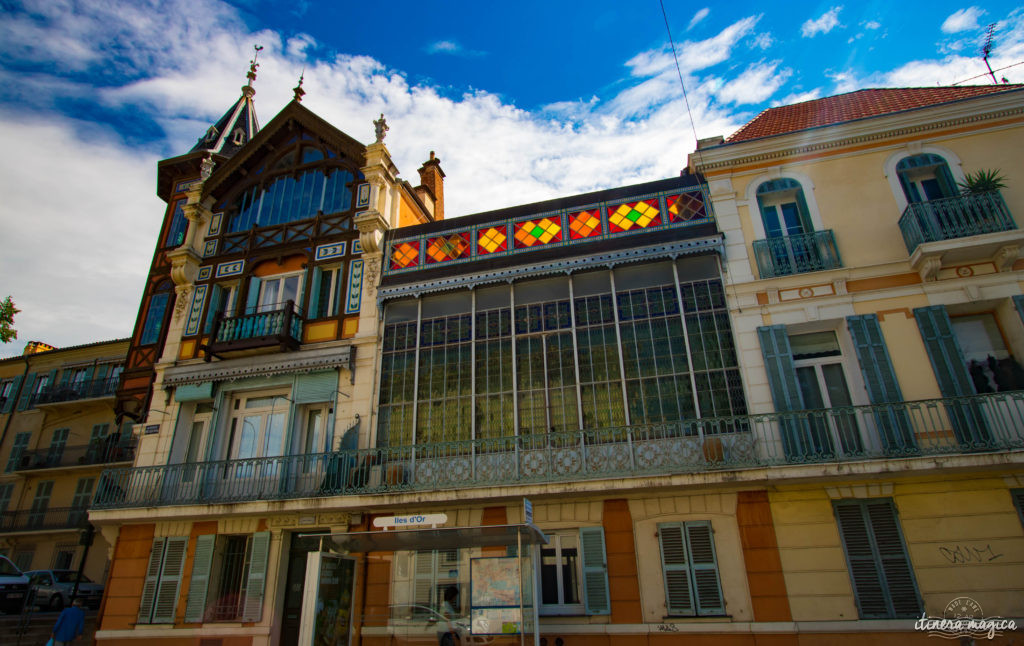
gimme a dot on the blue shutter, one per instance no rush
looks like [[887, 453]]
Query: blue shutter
[[315, 387], [167, 589], [156, 558], [254, 587], [893, 422], [195, 607], [316, 275], [675, 565], [704, 568], [798, 438], [215, 305], [950, 370], [253, 298], [1018, 302], [595, 571], [876, 555], [26, 391], [12, 396]]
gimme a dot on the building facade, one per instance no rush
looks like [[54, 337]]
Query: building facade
[[745, 423], [59, 433]]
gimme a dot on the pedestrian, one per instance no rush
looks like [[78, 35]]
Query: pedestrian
[[70, 625], [448, 609]]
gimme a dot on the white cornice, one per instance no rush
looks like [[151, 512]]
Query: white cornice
[[274, 364], [979, 111]]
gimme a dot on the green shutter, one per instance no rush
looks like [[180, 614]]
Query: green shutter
[[17, 450], [26, 391], [254, 587], [950, 369], [156, 558], [675, 564], [945, 179], [87, 377], [1018, 302], [5, 496], [170, 580], [316, 275], [315, 387], [595, 571], [883, 581], [704, 566], [1018, 502], [12, 396], [894, 425], [65, 376], [805, 213], [194, 392], [338, 290], [195, 608], [909, 190], [423, 584], [253, 297], [799, 440]]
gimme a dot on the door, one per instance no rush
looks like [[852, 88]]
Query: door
[[327, 600]]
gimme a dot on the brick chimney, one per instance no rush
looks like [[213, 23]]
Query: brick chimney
[[431, 188]]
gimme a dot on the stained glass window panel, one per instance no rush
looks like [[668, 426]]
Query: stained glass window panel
[[632, 216]]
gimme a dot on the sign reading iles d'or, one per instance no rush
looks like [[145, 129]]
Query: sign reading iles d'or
[[410, 520]]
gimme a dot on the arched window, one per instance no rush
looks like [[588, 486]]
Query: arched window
[[925, 177], [783, 208]]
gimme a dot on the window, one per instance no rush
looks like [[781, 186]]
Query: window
[[6, 395], [64, 558], [6, 490], [325, 291], [883, 579], [42, 381], [57, 444], [257, 430], [295, 196], [783, 208], [925, 177], [989, 363], [690, 567], [228, 578], [154, 320], [178, 225], [24, 556], [436, 571], [17, 450], [114, 375], [819, 371], [276, 291], [163, 580], [222, 300], [560, 584]]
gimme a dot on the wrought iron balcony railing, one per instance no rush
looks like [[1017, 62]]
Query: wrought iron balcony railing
[[947, 426], [815, 251], [46, 519], [280, 326], [104, 451], [954, 217], [76, 391]]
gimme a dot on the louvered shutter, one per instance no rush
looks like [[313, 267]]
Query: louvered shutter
[[156, 559], [883, 582], [315, 387], [170, 580], [26, 392], [252, 300], [595, 571], [424, 578], [1018, 302], [1018, 501], [12, 395], [87, 377], [195, 607], [880, 379], [316, 275], [945, 179], [676, 567], [704, 566], [778, 362], [254, 587], [65, 376], [950, 370], [893, 560]]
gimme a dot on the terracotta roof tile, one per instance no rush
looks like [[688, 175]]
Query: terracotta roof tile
[[855, 105]]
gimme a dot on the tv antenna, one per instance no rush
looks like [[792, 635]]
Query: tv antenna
[[987, 47]]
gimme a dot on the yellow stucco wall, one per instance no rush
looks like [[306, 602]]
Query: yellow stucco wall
[[963, 535]]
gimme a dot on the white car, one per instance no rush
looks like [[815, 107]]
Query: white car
[[413, 624], [54, 587]]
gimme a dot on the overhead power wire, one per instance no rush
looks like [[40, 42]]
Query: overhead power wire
[[679, 71]]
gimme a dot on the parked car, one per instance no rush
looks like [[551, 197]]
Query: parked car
[[54, 587], [13, 586], [410, 625]]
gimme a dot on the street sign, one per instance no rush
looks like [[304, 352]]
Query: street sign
[[410, 520]]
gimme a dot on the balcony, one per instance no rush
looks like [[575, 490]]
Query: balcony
[[937, 427], [281, 327], [954, 217], [104, 451], [47, 520], [73, 392], [788, 255]]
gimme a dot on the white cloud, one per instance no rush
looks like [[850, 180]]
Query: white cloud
[[697, 17], [762, 41], [798, 97], [451, 47], [872, 24], [755, 84], [823, 24], [962, 20]]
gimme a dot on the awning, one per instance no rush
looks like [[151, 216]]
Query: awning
[[435, 539], [262, 366]]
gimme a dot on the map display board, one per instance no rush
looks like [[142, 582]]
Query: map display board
[[495, 596]]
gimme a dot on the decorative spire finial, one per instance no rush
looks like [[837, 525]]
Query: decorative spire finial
[[253, 65], [380, 126], [299, 92]]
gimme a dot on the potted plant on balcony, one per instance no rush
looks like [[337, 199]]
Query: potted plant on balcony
[[980, 193], [983, 181]]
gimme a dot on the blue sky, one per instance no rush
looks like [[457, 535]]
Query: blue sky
[[522, 101]]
